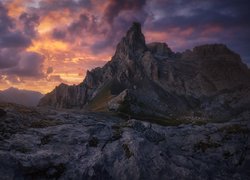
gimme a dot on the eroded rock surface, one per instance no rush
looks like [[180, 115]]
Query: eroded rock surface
[[50, 144]]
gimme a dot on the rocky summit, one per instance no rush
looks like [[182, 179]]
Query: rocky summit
[[150, 80], [149, 113]]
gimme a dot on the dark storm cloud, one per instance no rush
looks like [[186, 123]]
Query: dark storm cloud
[[8, 58], [29, 65], [117, 17], [100, 46], [85, 23], [117, 6], [10, 37], [200, 13], [231, 18], [15, 61], [119, 14], [30, 21], [5, 21], [58, 34], [14, 40], [79, 25], [208, 21], [72, 5]]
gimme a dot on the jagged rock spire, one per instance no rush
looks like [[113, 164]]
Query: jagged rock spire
[[133, 44]]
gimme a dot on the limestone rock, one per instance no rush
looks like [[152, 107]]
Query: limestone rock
[[160, 50], [64, 96], [115, 103], [166, 83], [77, 145]]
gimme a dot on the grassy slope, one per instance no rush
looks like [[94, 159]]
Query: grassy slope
[[99, 102]]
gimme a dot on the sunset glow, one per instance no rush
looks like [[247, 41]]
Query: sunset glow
[[47, 42]]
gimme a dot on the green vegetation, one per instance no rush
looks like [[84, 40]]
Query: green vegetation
[[235, 129], [168, 121], [127, 151], [44, 123], [157, 120], [125, 112], [99, 102], [124, 109]]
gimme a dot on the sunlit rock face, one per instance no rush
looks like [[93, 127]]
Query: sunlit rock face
[[164, 83]]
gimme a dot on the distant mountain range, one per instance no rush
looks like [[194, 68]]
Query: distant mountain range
[[18, 96], [150, 80]]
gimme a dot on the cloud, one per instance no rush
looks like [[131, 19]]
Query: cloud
[[30, 21], [8, 58], [80, 24], [29, 65], [15, 61], [55, 78], [211, 21], [50, 70], [117, 6], [14, 40], [58, 34], [49, 40], [13, 79], [72, 5], [5, 21], [10, 36]]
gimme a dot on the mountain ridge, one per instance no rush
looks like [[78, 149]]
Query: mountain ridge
[[20, 96], [151, 79]]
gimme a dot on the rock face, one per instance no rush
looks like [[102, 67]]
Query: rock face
[[161, 82], [51, 144]]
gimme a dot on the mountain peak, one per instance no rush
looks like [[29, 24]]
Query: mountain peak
[[212, 49], [133, 44], [134, 30], [11, 89], [151, 80]]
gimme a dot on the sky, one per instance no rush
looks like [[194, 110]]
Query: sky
[[47, 42]]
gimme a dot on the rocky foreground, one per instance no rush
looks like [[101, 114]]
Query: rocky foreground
[[44, 143]]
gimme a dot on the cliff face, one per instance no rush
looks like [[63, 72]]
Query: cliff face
[[154, 80]]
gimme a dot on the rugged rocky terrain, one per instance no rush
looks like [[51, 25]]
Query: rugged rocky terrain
[[149, 113], [145, 80], [42, 143]]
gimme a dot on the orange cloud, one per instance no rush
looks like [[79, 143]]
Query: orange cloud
[[15, 8], [54, 19], [41, 44], [156, 36]]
